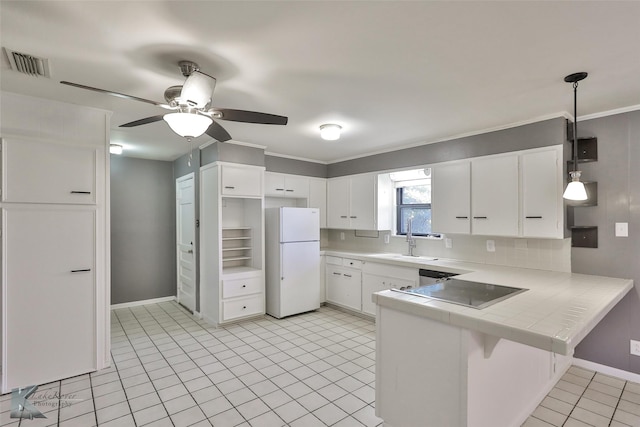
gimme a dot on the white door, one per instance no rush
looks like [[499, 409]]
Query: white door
[[362, 213], [185, 239], [451, 198]]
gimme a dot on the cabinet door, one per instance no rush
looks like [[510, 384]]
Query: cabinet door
[[338, 203], [241, 181], [541, 195], [451, 198], [318, 198], [49, 295], [37, 172], [344, 287], [362, 212], [370, 284], [494, 196], [296, 186], [273, 184]]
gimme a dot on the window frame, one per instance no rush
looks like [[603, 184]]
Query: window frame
[[400, 206]]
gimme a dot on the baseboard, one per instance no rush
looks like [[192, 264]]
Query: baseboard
[[143, 302], [607, 370]]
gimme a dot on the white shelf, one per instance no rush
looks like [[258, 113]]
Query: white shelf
[[236, 247]]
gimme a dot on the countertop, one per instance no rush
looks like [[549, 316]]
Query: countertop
[[555, 314]]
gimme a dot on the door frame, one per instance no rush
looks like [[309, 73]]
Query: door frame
[[179, 180]]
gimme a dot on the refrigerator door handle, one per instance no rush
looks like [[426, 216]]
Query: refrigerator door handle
[[281, 262]]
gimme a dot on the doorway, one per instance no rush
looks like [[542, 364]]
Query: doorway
[[185, 239]]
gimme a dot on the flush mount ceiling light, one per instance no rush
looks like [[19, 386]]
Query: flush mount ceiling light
[[115, 149], [575, 189], [188, 125], [330, 132]]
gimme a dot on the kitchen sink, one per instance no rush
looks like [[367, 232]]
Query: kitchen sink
[[405, 257], [463, 292]]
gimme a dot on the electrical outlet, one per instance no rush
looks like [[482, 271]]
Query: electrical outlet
[[491, 245], [386, 239], [448, 243], [635, 348], [342, 235], [622, 229]]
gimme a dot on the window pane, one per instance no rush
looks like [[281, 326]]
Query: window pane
[[417, 194], [421, 220]]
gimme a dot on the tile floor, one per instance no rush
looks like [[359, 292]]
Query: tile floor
[[583, 398], [315, 369]]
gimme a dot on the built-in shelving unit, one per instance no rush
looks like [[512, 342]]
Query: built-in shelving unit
[[236, 247], [583, 236]]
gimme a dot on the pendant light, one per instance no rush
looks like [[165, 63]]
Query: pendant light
[[575, 189]]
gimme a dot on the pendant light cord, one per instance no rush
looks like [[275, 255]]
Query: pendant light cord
[[575, 126]]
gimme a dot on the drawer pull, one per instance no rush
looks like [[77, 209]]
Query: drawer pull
[[462, 217], [229, 188], [289, 190], [353, 217], [479, 217], [279, 189], [336, 274], [244, 306], [80, 192], [244, 286], [347, 275], [533, 217], [81, 271], [343, 216]]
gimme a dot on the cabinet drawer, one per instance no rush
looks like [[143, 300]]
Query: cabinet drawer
[[352, 263], [333, 260], [238, 287], [241, 307]]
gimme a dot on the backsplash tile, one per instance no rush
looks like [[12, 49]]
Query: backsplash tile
[[540, 254]]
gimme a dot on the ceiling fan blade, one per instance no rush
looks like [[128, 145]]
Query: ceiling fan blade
[[217, 132], [118, 94], [197, 90], [143, 121], [249, 116]]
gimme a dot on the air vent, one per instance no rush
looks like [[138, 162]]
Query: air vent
[[28, 64]]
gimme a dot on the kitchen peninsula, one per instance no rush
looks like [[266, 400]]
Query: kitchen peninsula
[[444, 364]]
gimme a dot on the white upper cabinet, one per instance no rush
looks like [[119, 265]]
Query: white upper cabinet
[[241, 180], [517, 194], [45, 172], [494, 195], [284, 185], [541, 181], [360, 202], [318, 198], [451, 198]]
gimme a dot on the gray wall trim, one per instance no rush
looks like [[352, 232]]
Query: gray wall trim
[[617, 172], [143, 247], [294, 166], [534, 135], [232, 153]]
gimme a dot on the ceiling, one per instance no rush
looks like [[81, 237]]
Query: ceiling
[[392, 74]]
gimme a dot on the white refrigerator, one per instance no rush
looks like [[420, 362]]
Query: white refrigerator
[[292, 254]]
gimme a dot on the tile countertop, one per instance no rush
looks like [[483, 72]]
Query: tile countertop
[[555, 314]]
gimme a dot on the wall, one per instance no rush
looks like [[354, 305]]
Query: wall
[[143, 247], [534, 135], [617, 172], [294, 166]]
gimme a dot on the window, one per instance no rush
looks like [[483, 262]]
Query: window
[[413, 200]]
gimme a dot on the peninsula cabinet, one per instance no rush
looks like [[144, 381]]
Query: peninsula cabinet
[[360, 202], [232, 281], [55, 242], [344, 282]]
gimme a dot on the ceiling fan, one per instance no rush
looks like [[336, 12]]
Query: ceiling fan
[[190, 111]]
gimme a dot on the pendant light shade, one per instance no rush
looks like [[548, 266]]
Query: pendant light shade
[[575, 189], [189, 125]]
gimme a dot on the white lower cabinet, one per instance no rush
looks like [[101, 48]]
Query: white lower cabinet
[[380, 277], [344, 284], [50, 315]]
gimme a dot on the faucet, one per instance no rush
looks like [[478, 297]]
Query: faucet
[[411, 241]]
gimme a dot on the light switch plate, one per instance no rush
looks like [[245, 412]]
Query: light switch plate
[[622, 229], [491, 245], [342, 235], [635, 347], [448, 243], [386, 238]]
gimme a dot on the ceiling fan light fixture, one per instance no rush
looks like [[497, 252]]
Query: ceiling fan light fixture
[[330, 132], [188, 125], [115, 149]]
